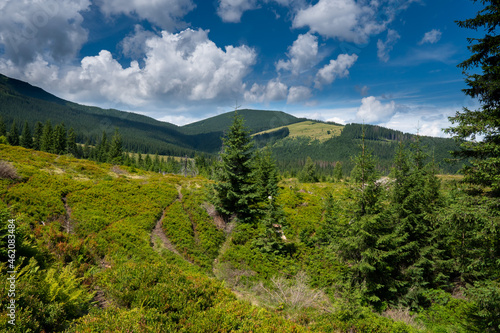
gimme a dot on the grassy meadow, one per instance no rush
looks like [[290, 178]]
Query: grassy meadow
[[89, 257]]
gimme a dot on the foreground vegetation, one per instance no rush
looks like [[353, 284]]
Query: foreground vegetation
[[87, 258]]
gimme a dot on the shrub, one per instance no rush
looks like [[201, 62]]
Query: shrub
[[7, 171]]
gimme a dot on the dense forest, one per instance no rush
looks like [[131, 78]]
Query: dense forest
[[98, 238]]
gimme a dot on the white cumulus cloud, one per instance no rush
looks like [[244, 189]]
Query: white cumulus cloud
[[303, 54], [431, 37], [232, 10], [335, 69], [52, 29], [346, 20], [372, 111], [383, 48], [274, 90], [298, 94], [180, 68], [166, 14]]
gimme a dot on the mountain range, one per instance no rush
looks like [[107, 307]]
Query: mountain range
[[291, 139]]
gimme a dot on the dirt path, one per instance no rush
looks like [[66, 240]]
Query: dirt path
[[159, 239], [68, 223]]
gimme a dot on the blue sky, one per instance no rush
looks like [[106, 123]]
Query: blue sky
[[386, 62]]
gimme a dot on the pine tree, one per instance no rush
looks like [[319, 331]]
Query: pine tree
[[469, 124], [415, 197], [337, 172], [3, 128], [13, 136], [47, 142], [270, 239], [365, 175], [308, 173], [156, 163], [86, 149], [148, 163], [26, 137], [59, 140], [102, 148], [140, 161], [115, 155], [37, 136], [235, 189], [71, 146], [267, 176]]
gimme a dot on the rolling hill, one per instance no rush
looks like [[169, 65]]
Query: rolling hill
[[314, 130], [291, 139], [255, 120]]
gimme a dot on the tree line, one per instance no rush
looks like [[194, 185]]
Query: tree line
[[58, 140]]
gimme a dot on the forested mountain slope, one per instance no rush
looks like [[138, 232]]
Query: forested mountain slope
[[292, 139]]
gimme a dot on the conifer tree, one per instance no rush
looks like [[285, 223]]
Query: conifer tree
[[156, 163], [270, 240], [71, 146], [140, 161], [148, 163], [267, 176], [26, 137], [115, 154], [337, 172], [415, 197], [365, 175], [469, 124], [102, 148], [37, 136], [13, 136], [235, 189], [3, 128], [308, 173], [59, 139], [86, 149], [47, 141]]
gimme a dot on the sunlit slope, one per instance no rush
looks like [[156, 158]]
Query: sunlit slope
[[92, 262], [310, 129]]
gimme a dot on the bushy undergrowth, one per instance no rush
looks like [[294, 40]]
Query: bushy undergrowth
[[108, 249], [85, 233]]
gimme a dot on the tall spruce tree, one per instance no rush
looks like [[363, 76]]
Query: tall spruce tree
[[115, 154], [414, 199], [47, 142], [365, 175], [59, 140], [102, 148], [235, 188], [337, 172], [308, 173], [13, 136], [26, 137], [270, 239], [71, 145], [37, 136], [485, 86], [3, 128]]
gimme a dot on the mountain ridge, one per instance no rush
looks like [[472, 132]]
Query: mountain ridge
[[22, 102]]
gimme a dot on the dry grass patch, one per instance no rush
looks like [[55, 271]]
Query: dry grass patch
[[8, 171], [403, 315]]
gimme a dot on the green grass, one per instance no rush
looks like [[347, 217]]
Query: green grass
[[310, 129], [151, 289]]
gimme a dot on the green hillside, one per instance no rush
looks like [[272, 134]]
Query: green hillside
[[313, 130], [328, 144], [102, 248], [22, 102], [255, 120], [292, 139]]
